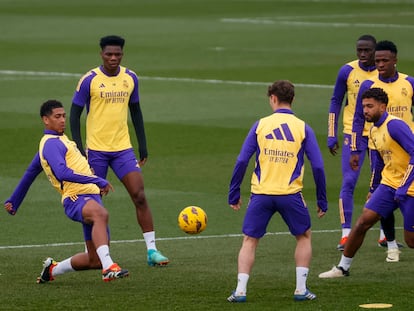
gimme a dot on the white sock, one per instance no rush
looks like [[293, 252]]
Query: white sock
[[345, 231], [149, 238], [392, 244], [301, 277], [345, 262], [103, 253], [382, 235], [242, 279], [63, 267]]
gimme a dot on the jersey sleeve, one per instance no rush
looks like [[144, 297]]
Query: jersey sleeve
[[401, 133], [249, 147], [411, 80], [314, 155], [82, 94], [134, 98], [54, 152], [335, 107], [359, 120]]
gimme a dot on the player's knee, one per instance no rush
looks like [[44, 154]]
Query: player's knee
[[362, 226], [139, 198], [102, 214]]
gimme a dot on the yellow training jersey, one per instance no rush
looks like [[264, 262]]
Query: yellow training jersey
[[279, 138], [108, 98], [64, 152], [400, 97], [354, 81], [395, 158]]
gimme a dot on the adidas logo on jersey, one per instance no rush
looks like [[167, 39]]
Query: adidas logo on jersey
[[282, 133]]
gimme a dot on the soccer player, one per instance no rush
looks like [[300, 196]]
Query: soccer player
[[107, 92], [348, 81], [392, 180], [81, 190], [280, 142], [400, 90]]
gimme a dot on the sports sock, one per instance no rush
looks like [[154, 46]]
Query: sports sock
[[103, 253], [242, 279], [149, 238], [63, 267], [345, 231], [345, 262], [301, 277], [392, 244], [382, 235]]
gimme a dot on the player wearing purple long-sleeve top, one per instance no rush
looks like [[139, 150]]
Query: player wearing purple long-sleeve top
[[392, 181], [70, 174], [280, 142], [347, 84]]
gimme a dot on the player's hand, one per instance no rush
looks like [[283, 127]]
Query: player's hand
[[236, 206], [320, 212], [142, 162], [354, 161], [368, 196], [106, 189], [334, 149], [8, 206]]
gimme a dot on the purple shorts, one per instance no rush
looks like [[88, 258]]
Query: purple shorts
[[382, 202], [73, 209], [121, 162], [261, 208]]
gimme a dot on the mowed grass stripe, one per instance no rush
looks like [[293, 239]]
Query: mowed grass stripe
[[47, 75]]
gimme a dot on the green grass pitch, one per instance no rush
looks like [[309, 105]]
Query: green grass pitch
[[204, 67]]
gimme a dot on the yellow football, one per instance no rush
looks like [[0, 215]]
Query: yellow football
[[192, 220]]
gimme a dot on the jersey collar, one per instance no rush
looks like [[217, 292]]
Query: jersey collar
[[366, 68], [51, 132], [284, 110], [381, 120], [389, 80], [101, 67]]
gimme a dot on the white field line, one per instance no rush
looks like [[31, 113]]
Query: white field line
[[187, 237], [47, 75], [312, 24]]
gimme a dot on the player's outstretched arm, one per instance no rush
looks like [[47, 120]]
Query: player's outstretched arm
[[13, 202]]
